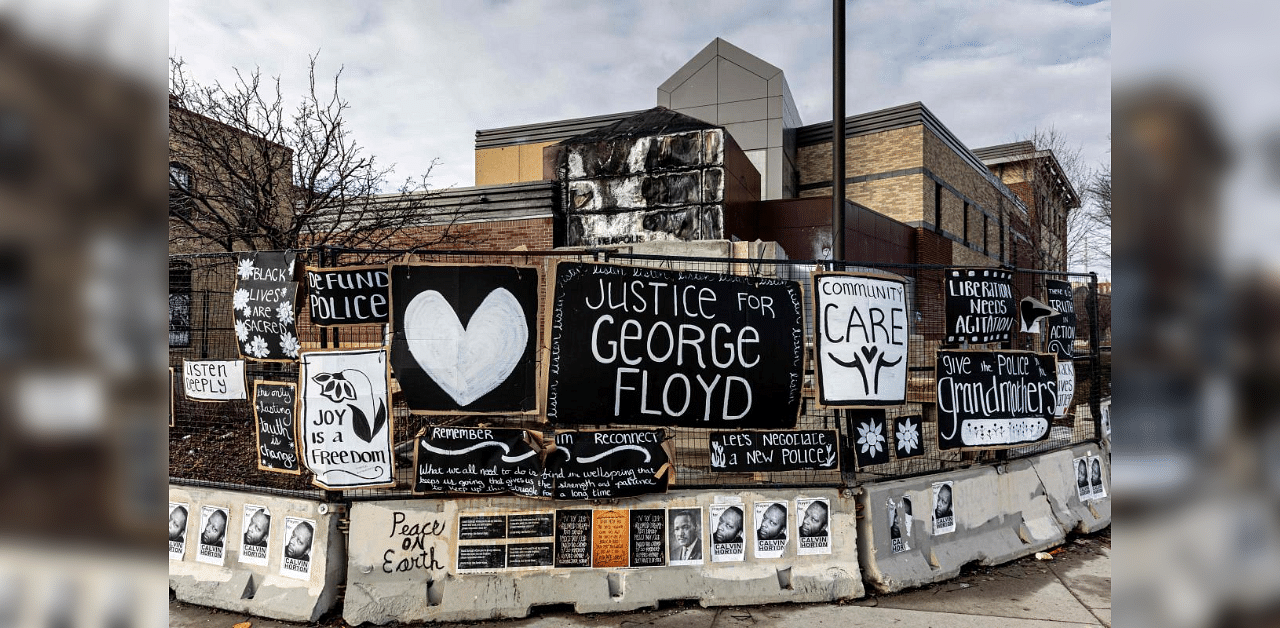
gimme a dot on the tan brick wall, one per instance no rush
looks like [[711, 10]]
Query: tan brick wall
[[900, 198], [510, 164], [964, 256], [536, 234]]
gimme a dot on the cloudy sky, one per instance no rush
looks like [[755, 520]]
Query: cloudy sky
[[423, 76]]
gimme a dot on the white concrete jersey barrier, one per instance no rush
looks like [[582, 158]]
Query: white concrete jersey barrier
[[404, 559], [1000, 513], [269, 589]]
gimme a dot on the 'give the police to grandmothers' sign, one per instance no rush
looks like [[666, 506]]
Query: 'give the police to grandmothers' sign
[[647, 346]]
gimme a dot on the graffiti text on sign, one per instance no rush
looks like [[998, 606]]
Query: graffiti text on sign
[[412, 547]]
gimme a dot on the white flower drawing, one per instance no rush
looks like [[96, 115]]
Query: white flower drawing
[[241, 299], [870, 438], [242, 331], [289, 345], [908, 436], [284, 312], [257, 348], [246, 268]]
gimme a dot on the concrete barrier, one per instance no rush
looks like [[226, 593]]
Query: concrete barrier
[[265, 590], [404, 562], [1000, 513]]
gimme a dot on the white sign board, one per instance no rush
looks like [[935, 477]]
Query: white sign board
[[346, 418], [213, 380], [861, 331]]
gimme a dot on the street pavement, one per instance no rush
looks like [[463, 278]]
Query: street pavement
[[1072, 589]]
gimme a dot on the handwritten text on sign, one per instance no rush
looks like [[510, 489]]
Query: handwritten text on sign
[[994, 398], [479, 460], [273, 407], [348, 296], [980, 305], [1061, 328], [346, 427], [608, 464], [213, 380], [263, 306], [674, 348], [790, 450], [861, 339]]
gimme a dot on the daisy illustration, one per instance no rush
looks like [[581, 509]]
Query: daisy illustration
[[246, 268], [257, 348], [241, 299], [908, 436], [284, 312], [870, 438], [242, 331], [289, 344]]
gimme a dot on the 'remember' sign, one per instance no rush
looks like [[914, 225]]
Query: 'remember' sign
[[667, 347]]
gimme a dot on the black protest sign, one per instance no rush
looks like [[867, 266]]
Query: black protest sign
[[573, 538], [980, 305], [1061, 328], [648, 538], [353, 295], [908, 438], [479, 461], [346, 425], [860, 336], [264, 305], [465, 338], [667, 347], [472, 527], [481, 557], [609, 464], [529, 526], [868, 434], [540, 555], [994, 399], [790, 450], [275, 411]]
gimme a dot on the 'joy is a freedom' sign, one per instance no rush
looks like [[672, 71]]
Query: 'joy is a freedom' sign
[[667, 347]]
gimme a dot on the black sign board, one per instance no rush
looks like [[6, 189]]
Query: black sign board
[[980, 305], [473, 557], [472, 527], [867, 430], [993, 399], [355, 295], [530, 555], [667, 347], [531, 526], [478, 460], [608, 464], [263, 306], [573, 538], [1061, 329], [275, 413], [789, 450], [908, 439], [465, 338], [648, 536]]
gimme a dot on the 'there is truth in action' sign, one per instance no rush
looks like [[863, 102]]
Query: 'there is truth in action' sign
[[670, 347]]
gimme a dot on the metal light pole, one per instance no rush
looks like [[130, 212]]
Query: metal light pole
[[837, 130]]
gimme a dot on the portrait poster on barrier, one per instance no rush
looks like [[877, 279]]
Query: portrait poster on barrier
[[178, 515], [686, 536], [994, 399], [351, 295], [1061, 328], [1096, 489], [256, 527], [747, 451], [465, 337], [346, 426], [213, 380], [980, 306], [485, 460], [814, 526], [668, 347], [728, 531], [299, 534], [610, 464], [573, 538], [860, 339], [1084, 490], [264, 305], [944, 518], [213, 535], [275, 408], [771, 523], [1104, 421], [897, 542]]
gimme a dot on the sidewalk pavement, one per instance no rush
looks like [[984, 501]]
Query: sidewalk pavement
[[1073, 589]]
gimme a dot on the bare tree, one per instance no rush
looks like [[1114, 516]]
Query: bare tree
[[1099, 192], [1051, 179], [247, 174]]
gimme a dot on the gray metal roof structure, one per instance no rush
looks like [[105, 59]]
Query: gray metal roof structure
[[553, 131]]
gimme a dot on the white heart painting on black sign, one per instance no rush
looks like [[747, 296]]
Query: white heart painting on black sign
[[466, 362]]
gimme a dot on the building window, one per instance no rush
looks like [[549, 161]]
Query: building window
[[966, 223], [179, 304], [937, 207], [986, 226], [181, 186]]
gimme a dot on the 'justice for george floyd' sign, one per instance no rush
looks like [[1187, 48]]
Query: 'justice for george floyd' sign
[[673, 348]]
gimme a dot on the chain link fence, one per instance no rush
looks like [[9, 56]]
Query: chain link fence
[[213, 444]]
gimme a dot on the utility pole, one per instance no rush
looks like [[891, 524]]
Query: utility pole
[[837, 130]]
